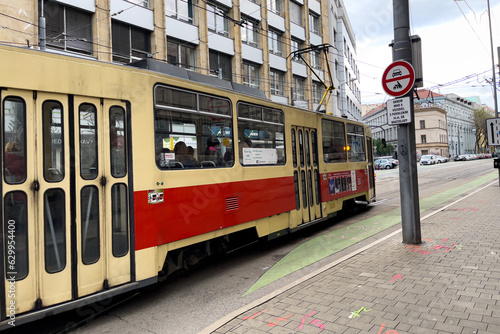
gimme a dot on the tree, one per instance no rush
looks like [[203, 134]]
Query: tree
[[480, 116], [381, 150]]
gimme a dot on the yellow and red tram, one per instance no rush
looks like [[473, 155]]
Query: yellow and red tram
[[115, 176]]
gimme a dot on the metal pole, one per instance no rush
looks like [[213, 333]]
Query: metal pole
[[496, 110], [408, 179], [493, 63], [41, 24]]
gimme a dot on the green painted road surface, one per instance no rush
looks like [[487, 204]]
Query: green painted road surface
[[330, 243]]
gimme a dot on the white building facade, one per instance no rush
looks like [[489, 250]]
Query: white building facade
[[460, 120], [347, 99]]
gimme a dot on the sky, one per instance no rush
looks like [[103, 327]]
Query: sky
[[455, 45]]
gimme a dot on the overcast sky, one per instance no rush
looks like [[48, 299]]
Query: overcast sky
[[455, 44]]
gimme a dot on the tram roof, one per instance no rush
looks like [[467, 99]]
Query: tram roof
[[175, 71]]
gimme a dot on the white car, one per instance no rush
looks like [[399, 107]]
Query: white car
[[428, 160], [441, 159]]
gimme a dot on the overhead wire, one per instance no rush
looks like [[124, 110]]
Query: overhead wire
[[470, 25]]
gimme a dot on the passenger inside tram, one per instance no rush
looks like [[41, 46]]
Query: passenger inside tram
[[212, 153], [182, 155]]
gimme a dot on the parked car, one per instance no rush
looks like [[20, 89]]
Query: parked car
[[394, 162], [460, 157], [428, 160], [441, 159], [383, 164], [391, 159]]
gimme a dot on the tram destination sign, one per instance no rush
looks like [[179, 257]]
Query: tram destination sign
[[399, 111]]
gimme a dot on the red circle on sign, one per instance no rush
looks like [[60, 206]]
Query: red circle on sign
[[398, 78]]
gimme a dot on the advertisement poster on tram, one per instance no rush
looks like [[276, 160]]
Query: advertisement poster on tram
[[343, 182]]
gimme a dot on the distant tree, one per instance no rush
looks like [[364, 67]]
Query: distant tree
[[480, 116], [381, 150]]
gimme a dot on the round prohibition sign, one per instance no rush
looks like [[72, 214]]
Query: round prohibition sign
[[398, 78]]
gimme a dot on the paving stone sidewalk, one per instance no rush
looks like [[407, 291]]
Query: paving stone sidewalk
[[448, 284]]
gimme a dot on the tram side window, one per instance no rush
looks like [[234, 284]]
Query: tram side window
[[54, 230], [88, 141], [334, 142], [117, 141], [53, 141], [192, 130], [14, 134], [119, 214], [89, 216], [261, 136], [16, 234], [356, 142]]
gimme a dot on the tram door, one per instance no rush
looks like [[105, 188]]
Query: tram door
[[64, 160], [101, 194], [306, 175], [371, 173]]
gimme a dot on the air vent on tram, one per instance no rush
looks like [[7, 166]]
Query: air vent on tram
[[232, 203]]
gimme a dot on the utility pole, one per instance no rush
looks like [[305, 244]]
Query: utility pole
[[493, 64], [408, 178]]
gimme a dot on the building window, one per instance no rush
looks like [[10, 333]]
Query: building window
[[250, 33], [317, 92], [180, 9], [316, 59], [423, 139], [296, 45], [181, 54], [299, 90], [143, 3], [218, 20], [422, 124], [220, 65], [275, 42], [314, 26], [129, 43], [277, 82], [274, 6], [295, 13], [67, 28], [251, 75]]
